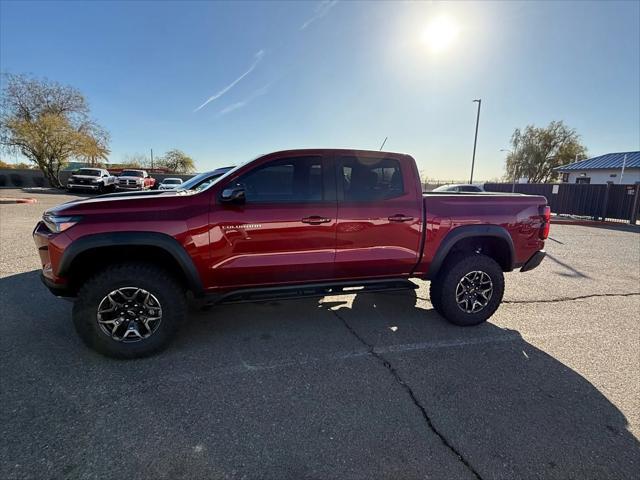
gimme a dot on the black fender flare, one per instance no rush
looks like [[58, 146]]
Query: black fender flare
[[470, 231], [149, 239]]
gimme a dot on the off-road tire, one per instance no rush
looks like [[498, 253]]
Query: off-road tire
[[443, 288], [157, 281]]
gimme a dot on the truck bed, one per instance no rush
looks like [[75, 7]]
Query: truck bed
[[517, 213]]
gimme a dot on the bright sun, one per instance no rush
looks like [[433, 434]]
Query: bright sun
[[440, 33]]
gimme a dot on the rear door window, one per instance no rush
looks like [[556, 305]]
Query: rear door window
[[365, 179]]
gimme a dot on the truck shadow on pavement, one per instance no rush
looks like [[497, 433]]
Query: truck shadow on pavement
[[507, 408], [571, 271]]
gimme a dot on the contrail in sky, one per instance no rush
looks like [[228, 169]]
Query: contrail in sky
[[321, 10], [258, 56], [235, 106]]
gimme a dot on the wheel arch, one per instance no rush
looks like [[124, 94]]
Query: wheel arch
[[87, 254], [493, 240]]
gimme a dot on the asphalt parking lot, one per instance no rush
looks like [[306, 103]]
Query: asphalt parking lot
[[360, 386]]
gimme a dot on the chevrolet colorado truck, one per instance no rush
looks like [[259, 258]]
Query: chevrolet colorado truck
[[287, 224]]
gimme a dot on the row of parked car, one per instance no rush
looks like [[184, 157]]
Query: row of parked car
[[100, 180]]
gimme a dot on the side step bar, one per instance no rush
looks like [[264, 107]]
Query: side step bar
[[310, 290]]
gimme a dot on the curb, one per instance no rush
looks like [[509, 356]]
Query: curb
[[4, 200], [587, 223]]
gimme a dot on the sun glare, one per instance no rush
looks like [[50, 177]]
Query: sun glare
[[440, 33]]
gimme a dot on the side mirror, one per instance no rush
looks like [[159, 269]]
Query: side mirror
[[105, 175], [233, 194]]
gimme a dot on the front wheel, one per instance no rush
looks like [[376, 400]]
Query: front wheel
[[468, 290], [129, 310]]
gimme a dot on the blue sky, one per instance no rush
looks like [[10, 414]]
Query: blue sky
[[337, 74]]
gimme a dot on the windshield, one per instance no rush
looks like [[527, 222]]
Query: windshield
[[172, 181], [205, 180], [131, 173], [89, 172]]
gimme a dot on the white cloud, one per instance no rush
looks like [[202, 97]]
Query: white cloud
[[321, 10], [257, 57]]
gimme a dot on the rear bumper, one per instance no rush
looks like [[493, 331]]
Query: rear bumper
[[534, 261]]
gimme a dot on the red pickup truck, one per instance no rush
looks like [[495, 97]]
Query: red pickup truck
[[291, 223], [135, 180]]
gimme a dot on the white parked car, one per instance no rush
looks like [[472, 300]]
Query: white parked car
[[460, 187], [170, 183]]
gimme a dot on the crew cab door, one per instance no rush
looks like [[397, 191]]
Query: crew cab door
[[379, 216], [284, 231]]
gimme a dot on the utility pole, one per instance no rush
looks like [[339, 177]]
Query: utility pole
[[624, 164], [475, 140], [152, 159], [515, 170]]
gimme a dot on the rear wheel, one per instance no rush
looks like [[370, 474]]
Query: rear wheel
[[129, 310], [468, 290]]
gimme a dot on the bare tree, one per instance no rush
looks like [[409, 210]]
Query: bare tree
[[537, 151], [136, 160], [177, 161], [49, 124]]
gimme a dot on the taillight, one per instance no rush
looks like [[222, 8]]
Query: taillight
[[546, 218]]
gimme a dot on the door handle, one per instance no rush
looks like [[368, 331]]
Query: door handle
[[315, 220], [400, 218]]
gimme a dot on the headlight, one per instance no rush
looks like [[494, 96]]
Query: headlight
[[59, 224], [95, 180]]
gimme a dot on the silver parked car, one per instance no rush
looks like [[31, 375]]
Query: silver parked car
[[203, 180]]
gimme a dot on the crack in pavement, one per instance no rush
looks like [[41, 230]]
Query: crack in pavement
[[570, 299], [378, 356], [549, 300]]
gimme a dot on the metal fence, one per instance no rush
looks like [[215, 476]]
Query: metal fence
[[610, 202]]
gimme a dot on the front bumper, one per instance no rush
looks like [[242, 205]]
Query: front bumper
[[128, 187], [50, 248], [534, 261], [80, 186], [58, 289]]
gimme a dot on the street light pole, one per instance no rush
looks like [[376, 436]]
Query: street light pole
[[475, 140]]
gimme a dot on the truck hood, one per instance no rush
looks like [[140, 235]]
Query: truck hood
[[111, 202], [129, 177], [85, 177]]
